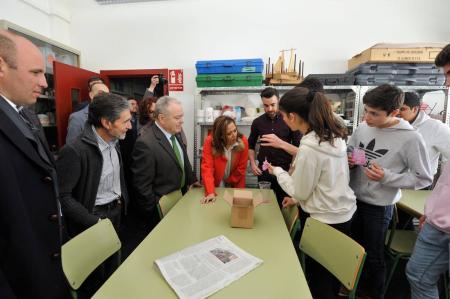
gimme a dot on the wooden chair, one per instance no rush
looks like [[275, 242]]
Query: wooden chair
[[85, 252], [338, 253], [167, 202]]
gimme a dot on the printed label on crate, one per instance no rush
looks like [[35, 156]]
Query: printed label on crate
[[248, 69], [175, 80]]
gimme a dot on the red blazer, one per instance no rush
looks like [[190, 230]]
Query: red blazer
[[213, 166]]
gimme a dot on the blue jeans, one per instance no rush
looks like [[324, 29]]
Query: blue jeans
[[369, 227], [429, 260]]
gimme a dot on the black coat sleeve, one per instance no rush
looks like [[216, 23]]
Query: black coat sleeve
[[68, 167], [143, 169]]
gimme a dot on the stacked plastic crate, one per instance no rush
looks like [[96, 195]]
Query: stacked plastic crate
[[229, 73], [418, 74], [398, 64]]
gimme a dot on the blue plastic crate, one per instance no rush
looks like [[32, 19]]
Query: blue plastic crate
[[233, 66]]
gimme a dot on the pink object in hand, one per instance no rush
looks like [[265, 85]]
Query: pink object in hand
[[265, 165], [359, 156]]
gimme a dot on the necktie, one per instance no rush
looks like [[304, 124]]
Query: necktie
[[178, 155], [35, 132]]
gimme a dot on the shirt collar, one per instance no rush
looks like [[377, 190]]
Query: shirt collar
[[102, 144], [15, 107], [275, 118], [232, 147], [167, 134]]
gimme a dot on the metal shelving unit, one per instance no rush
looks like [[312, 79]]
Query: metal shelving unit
[[348, 96]]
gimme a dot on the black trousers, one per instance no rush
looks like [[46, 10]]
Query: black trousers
[[112, 211], [136, 226], [369, 228]]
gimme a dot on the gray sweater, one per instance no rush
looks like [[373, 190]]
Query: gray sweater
[[402, 153]]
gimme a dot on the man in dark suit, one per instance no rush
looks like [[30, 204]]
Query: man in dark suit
[[30, 214], [160, 163]]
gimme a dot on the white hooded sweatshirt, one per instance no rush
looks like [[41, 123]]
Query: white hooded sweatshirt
[[436, 135], [320, 180]]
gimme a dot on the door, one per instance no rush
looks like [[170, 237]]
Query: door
[[71, 88], [134, 82]]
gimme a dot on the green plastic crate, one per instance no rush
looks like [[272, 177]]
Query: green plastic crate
[[229, 80]]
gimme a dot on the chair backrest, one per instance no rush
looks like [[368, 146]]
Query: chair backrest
[[291, 218], [85, 252], [338, 253], [168, 201]]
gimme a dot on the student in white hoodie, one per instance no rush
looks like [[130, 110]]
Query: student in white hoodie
[[435, 133], [396, 158], [319, 182]]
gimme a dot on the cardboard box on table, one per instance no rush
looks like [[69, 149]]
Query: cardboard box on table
[[242, 203]]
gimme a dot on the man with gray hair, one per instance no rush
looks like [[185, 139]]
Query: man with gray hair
[[90, 172], [160, 163]]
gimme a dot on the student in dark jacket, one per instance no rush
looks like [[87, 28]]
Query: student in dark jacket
[[90, 172]]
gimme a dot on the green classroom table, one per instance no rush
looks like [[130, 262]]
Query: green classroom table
[[413, 201], [189, 223]]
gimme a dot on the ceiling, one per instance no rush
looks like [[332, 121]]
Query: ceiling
[[107, 2]]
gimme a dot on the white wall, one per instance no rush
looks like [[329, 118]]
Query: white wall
[[50, 18], [176, 33]]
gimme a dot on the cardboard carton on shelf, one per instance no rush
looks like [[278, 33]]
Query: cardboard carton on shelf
[[408, 53], [242, 203]]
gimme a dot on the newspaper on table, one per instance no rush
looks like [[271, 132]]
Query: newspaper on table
[[201, 270]]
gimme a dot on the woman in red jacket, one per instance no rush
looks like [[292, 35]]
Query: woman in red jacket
[[224, 160]]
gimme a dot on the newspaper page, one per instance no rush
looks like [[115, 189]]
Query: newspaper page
[[201, 270]]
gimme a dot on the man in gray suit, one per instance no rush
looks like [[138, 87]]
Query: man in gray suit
[[160, 163], [79, 118]]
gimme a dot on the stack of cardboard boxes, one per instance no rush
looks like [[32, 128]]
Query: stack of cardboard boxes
[[398, 64]]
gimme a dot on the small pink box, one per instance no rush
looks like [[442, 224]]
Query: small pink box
[[359, 156]]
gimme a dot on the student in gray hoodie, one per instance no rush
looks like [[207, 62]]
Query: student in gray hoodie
[[396, 157]]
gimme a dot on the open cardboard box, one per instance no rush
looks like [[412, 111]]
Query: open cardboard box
[[242, 204], [390, 53]]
